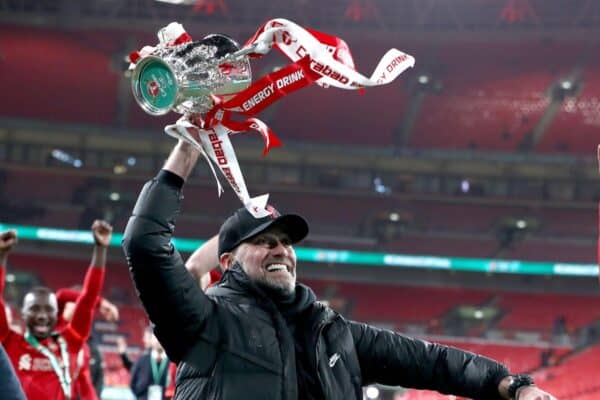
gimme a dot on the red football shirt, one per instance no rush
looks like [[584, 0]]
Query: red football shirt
[[35, 372], [83, 379]]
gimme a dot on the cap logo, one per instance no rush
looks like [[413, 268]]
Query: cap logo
[[273, 213], [153, 88]]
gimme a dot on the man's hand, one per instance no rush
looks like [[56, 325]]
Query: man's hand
[[109, 311], [102, 232], [195, 120], [8, 239], [533, 393]]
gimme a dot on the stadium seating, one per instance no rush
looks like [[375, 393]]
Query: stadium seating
[[518, 358], [574, 379], [400, 305], [575, 127], [493, 95], [441, 226], [74, 67], [115, 374], [489, 96], [538, 312], [486, 96], [393, 306]]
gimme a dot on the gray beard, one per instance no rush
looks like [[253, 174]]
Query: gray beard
[[275, 288], [276, 292]]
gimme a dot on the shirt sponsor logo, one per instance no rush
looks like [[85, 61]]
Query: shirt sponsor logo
[[396, 62], [222, 160], [25, 362], [259, 97], [153, 88], [289, 79], [28, 363], [43, 364], [327, 71]]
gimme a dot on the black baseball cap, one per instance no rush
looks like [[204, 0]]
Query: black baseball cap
[[242, 226]]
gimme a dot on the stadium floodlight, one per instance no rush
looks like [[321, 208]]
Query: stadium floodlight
[[66, 158], [465, 186], [119, 169], [379, 186], [566, 84], [423, 79]]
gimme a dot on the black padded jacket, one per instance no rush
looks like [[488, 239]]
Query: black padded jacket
[[233, 343]]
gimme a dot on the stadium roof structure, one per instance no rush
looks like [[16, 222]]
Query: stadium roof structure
[[501, 18]]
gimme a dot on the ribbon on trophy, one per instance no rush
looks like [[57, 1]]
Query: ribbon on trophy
[[316, 57]]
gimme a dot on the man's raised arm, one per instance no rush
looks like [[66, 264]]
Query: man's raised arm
[[170, 295], [83, 314]]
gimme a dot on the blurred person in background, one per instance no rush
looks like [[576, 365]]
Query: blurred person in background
[[150, 373], [122, 351], [46, 359], [89, 378], [147, 339], [121, 343], [260, 335]]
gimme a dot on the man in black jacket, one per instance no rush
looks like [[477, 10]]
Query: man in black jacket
[[260, 335]]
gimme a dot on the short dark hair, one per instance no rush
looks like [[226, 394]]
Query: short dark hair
[[39, 291]]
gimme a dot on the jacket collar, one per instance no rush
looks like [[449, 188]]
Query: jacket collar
[[237, 281]]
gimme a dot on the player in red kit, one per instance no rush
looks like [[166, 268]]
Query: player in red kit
[[46, 360], [89, 378]]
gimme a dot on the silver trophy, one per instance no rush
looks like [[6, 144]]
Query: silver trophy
[[182, 77]]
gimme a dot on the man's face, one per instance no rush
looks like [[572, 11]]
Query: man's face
[[269, 260], [39, 313]]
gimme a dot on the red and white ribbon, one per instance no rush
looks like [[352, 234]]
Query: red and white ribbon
[[330, 56], [316, 57]]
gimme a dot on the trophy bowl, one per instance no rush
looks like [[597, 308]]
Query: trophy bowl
[[183, 78]]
